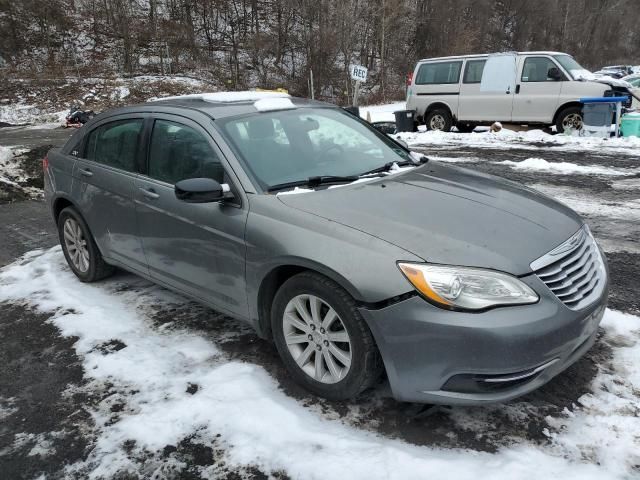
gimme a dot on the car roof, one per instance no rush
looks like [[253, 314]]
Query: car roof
[[482, 55], [216, 105]]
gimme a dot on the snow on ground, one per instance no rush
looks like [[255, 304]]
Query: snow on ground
[[541, 165], [11, 172], [382, 113], [530, 140], [260, 425]]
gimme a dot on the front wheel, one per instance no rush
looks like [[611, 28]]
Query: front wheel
[[439, 119], [569, 119], [323, 341]]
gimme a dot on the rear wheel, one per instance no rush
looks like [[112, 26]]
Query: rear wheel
[[439, 119], [569, 118], [79, 247], [322, 338]]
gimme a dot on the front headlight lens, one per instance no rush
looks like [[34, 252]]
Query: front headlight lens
[[465, 287]]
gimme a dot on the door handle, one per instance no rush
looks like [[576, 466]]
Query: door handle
[[86, 172], [149, 193], [518, 88]]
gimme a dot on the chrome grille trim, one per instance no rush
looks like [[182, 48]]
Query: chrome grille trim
[[574, 271]]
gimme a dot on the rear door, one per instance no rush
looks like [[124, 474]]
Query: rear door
[[537, 94], [196, 248], [437, 81], [103, 186]]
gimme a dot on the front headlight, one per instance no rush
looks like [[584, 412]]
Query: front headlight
[[466, 288]]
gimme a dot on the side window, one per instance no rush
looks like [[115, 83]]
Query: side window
[[115, 144], [536, 69], [439, 73], [178, 152], [473, 71]]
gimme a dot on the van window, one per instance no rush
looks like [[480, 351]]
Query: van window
[[473, 71], [439, 73], [536, 69], [115, 144]]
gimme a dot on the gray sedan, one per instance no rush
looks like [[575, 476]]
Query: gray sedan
[[356, 256]]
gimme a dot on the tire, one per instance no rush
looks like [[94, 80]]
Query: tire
[[564, 118], [466, 127], [365, 365], [90, 266], [439, 119]]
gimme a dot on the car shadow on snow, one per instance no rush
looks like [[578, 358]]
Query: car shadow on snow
[[485, 428]]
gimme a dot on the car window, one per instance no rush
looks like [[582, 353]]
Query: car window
[[536, 69], [291, 145], [178, 152], [635, 82], [115, 144], [439, 73], [473, 71]]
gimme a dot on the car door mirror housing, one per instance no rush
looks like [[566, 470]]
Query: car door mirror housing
[[201, 190], [554, 74]]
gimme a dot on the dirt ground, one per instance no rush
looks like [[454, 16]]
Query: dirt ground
[[39, 367]]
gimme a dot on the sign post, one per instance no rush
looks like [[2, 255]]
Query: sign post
[[359, 74]]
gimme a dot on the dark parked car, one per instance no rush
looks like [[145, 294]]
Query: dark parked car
[[353, 254]]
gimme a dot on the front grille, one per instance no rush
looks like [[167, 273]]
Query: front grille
[[573, 271]]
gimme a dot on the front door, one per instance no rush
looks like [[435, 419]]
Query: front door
[[104, 176], [196, 248], [537, 94]]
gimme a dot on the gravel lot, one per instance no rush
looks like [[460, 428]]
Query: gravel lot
[[48, 401]]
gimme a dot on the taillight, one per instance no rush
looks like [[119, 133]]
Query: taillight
[[45, 163], [409, 79]]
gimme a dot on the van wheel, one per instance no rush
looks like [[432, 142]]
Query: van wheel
[[322, 339], [466, 127], [569, 118], [439, 119], [79, 247]]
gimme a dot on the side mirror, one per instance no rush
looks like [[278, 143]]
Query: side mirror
[[200, 190], [554, 74]]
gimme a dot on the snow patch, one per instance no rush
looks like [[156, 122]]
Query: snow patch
[[565, 168], [271, 104], [259, 425], [382, 113]]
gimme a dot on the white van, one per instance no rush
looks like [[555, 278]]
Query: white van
[[541, 88]]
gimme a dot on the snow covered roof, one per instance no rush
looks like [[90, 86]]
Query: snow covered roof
[[228, 97]]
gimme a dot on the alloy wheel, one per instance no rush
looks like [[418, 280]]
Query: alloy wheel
[[76, 245], [317, 339], [572, 121]]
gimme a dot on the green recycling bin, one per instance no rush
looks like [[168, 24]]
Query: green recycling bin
[[630, 125]]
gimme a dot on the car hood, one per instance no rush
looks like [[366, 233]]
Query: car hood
[[449, 215]]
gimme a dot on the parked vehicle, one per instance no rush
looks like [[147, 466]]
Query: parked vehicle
[[610, 73], [465, 288], [544, 89], [622, 69], [634, 81]]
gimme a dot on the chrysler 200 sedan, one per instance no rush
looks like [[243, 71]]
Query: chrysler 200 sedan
[[354, 255]]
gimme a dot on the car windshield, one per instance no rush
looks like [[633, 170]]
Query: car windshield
[[570, 65], [293, 145]]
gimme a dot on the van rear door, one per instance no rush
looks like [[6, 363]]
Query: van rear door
[[437, 82]]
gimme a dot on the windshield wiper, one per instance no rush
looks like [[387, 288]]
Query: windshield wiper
[[313, 182], [387, 166]]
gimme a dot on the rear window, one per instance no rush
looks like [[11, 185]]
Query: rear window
[[439, 73], [473, 71], [115, 144]]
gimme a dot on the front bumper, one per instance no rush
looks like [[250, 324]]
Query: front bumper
[[433, 355]]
